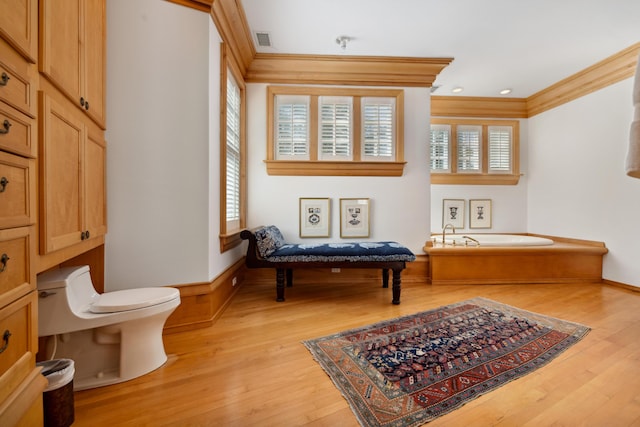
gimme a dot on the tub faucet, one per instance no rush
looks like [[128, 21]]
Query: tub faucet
[[444, 230]]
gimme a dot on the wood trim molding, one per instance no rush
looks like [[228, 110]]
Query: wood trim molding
[[231, 22], [345, 70], [201, 5], [631, 288], [471, 106], [202, 303], [602, 74], [329, 168]]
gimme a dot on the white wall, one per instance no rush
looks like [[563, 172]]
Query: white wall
[[399, 205], [162, 155], [577, 185], [508, 202]]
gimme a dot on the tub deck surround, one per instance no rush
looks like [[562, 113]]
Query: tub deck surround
[[267, 249], [565, 261]]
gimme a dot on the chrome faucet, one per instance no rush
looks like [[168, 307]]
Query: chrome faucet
[[444, 230]]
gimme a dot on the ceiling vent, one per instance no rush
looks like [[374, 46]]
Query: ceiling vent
[[263, 38]]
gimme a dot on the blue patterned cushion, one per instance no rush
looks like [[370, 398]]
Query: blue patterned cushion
[[269, 239], [337, 252]]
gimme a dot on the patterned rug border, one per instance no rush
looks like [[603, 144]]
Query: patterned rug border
[[575, 332]]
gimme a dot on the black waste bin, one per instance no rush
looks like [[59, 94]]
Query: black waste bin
[[57, 399]]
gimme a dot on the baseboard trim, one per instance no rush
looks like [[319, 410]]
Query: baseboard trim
[[621, 285], [202, 303]]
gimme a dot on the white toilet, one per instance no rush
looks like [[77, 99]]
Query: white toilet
[[111, 337]]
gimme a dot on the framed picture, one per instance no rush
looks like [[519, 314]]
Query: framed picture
[[453, 212], [315, 217], [480, 213], [354, 217]]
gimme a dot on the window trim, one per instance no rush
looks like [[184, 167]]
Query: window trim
[[484, 177], [230, 230], [315, 167]]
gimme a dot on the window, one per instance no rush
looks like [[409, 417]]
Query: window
[[232, 155], [335, 131], [474, 151], [292, 132]]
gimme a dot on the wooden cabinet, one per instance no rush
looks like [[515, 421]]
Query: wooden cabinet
[[21, 383], [74, 59], [72, 176], [19, 26]]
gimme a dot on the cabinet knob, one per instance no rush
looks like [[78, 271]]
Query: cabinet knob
[[3, 184], [4, 259], [6, 125], [4, 79], [84, 235], [5, 340], [84, 103]]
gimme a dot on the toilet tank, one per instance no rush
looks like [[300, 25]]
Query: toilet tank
[[73, 282]]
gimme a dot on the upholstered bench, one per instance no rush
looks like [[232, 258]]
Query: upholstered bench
[[268, 249]]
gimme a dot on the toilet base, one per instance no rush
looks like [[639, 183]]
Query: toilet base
[[113, 354]]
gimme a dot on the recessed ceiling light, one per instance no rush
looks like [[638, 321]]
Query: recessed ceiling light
[[457, 89], [505, 91]]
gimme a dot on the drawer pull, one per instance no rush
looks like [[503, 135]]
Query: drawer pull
[[5, 340], [3, 184], [3, 262], [6, 126], [4, 79]]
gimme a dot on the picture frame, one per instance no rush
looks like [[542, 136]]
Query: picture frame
[[354, 218], [453, 212], [480, 213], [315, 216]]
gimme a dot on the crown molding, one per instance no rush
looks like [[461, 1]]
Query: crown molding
[[475, 106], [611, 70], [345, 70]]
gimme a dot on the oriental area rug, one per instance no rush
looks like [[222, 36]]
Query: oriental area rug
[[410, 370]]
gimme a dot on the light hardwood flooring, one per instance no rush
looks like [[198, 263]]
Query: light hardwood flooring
[[251, 369]]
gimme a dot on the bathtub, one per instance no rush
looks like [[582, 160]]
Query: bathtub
[[464, 239], [512, 258]]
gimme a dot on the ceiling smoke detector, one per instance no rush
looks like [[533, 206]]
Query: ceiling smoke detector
[[342, 41]]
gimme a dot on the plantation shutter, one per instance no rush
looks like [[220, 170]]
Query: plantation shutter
[[439, 148], [233, 152], [469, 145], [335, 128], [378, 128], [292, 127], [500, 148]]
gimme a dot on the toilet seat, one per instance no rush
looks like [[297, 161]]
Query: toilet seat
[[131, 299]]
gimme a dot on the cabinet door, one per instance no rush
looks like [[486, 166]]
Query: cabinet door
[[60, 53], [19, 26], [94, 67], [61, 182], [95, 188]]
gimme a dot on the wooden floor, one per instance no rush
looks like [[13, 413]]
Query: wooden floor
[[250, 368]]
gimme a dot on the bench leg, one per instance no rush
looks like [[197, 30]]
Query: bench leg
[[385, 277], [279, 284], [289, 277], [396, 287]]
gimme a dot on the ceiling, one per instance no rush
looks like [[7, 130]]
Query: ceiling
[[496, 44]]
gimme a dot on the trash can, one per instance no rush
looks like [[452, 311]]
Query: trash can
[[57, 399]]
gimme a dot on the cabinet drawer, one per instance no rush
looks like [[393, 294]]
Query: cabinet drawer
[[17, 277], [17, 132], [18, 336], [17, 191], [18, 80]]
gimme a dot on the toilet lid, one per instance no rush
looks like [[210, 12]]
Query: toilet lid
[[131, 299]]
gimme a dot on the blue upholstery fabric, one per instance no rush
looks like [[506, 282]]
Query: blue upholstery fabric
[[336, 252], [268, 239]]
